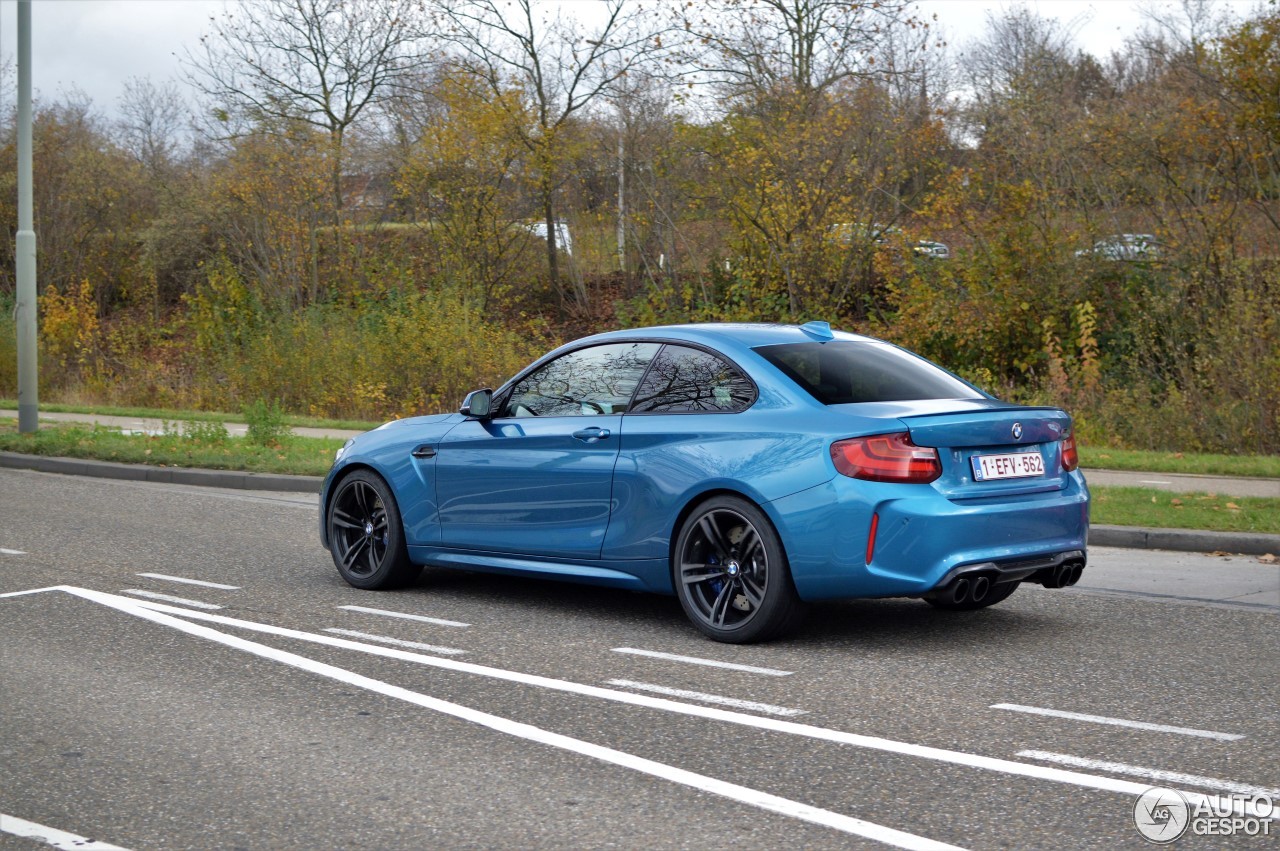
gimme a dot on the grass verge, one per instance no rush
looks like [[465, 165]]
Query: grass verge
[[1138, 460], [190, 416], [1115, 506], [1143, 461], [305, 456]]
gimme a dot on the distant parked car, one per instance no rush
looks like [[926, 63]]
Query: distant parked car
[[746, 469], [564, 241], [1124, 246], [930, 248], [848, 233]]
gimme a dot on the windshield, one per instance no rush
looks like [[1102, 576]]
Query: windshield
[[841, 372]]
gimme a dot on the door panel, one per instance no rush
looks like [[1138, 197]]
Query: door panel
[[528, 485]]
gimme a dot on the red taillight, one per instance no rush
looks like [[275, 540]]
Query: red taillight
[[886, 458], [1070, 458]]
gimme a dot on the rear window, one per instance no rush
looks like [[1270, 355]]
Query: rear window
[[841, 372]]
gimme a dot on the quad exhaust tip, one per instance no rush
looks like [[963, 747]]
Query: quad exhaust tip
[[964, 589], [1064, 575], [973, 587]]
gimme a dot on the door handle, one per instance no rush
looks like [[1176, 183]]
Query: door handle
[[424, 451], [591, 435]]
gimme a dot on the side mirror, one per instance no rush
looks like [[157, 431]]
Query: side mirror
[[478, 404]]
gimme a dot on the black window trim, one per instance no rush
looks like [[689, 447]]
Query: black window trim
[[755, 389], [799, 383], [503, 393]]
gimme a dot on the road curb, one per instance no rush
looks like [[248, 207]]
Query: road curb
[[1128, 537], [169, 475], [1184, 540]]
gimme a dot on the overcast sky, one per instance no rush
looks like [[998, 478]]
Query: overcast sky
[[95, 45]]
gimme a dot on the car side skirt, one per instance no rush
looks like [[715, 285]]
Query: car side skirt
[[635, 575]]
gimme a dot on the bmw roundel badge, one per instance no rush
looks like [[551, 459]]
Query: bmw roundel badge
[[1017, 431]]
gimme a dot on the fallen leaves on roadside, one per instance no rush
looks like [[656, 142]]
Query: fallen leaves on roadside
[[1269, 558], [1220, 553], [1175, 501], [1233, 506]]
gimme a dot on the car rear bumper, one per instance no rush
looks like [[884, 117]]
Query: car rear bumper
[[923, 539]]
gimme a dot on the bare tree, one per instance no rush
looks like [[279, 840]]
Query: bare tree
[[559, 64], [805, 46], [151, 123], [320, 62]]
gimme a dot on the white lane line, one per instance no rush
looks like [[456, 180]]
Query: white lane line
[[710, 663], [1152, 773], [33, 591], [737, 703], [15, 826], [408, 617], [186, 581], [7, 552], [182, 601], [967, 760], [415, 645], [1119, 722], [737, 794], [1152, 482]]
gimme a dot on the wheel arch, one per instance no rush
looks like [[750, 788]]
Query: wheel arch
[[695, 502], [331, 487]]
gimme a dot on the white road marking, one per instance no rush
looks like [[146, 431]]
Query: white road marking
[[1020, 769], [1152, 773], [968, 760], [33, 591], [429, 648], [182, 601], [49, 836], [7, 552], [1119, 722], [739, 795], [408, 617], [710, 663], [737, 703], [185, 581], [1152, 482]]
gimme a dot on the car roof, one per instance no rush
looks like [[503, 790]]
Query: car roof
[[731, 336]]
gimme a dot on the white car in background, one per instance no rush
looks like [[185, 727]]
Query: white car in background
[[564, 241], [1124, 246]]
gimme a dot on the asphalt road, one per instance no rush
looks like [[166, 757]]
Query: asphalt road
[[514, 713]]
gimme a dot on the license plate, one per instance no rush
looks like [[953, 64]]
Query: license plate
[[1014, 465]]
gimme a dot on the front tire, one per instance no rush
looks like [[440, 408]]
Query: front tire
[[366, 535], [731, 573]]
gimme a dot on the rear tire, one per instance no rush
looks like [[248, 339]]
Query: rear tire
[[995, 594], [731, 573], [366, 535]]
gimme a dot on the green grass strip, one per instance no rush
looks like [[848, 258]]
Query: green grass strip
[[1144, 461], [305, 456], [1117, 506], [190, 416], [1114, 506]]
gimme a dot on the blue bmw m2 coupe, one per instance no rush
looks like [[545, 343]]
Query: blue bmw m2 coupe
[[746, 469]]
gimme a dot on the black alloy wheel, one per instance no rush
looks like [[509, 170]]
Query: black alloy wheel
[[731, 574], [366, 537]]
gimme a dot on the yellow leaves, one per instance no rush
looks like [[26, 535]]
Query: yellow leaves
[[70, 329]]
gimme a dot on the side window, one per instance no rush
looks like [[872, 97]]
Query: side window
[[685, 380], [586, 382]]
